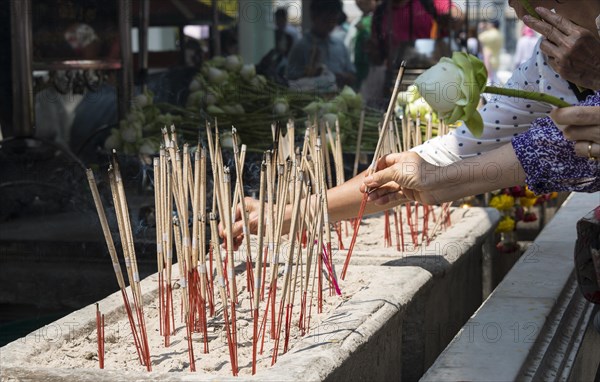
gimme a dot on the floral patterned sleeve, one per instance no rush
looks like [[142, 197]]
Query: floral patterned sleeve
[[549, 159], [503, 117]]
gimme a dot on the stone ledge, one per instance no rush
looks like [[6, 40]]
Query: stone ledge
[[502, 339], [344, 336], [419, 304]]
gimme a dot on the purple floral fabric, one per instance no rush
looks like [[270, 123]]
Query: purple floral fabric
[[549, 159]]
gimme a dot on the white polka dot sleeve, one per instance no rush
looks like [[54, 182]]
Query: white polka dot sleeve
[[503, 117]]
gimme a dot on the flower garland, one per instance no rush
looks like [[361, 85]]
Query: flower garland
[[516, 205]]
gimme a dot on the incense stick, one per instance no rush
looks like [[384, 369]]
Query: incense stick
[[372, 168]]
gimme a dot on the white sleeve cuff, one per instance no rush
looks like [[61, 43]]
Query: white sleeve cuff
[[434, 152]]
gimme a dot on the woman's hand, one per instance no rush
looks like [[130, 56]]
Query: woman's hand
[[237, 230], [573, 51], [400, 176], [582, 126]]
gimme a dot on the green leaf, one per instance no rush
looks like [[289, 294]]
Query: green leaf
[[475, 124]]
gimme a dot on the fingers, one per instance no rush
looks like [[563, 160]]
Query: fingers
[[381, 177], [587, 149], [382, 191], [237, 228], [390, 198], [387, 161], [559, 22], [583, 133], [577, 115], [547, 30], [550, 49]]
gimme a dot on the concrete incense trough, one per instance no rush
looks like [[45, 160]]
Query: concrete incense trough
[[397, 312]]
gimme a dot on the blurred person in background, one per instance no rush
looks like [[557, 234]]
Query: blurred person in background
[[395, 27], [525, 45], [341, 30], [399, 21], [317, 51], [285, 34], [491, 44], [357, 39], [473, 46]]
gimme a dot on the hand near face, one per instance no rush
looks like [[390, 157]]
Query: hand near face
[[573, 51]]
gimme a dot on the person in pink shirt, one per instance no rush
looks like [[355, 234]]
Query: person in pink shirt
[[399, 21], [525, 45]]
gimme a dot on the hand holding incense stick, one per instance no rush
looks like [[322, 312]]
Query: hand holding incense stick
[[386, 121]]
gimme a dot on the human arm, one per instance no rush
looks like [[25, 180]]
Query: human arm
[[431, 184], [343, 201], [573, 51]]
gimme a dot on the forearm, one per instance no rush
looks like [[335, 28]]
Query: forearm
[[344, 202], [496, 169]]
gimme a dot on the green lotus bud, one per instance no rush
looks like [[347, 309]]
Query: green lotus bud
[[248, 72], [233, 63], [281, 106], [453, 88], [195, 85]]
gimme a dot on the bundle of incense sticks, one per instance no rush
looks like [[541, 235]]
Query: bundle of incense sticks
[[137, 321]]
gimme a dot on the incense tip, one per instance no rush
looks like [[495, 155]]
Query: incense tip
[[233, 130], [403, 64]]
